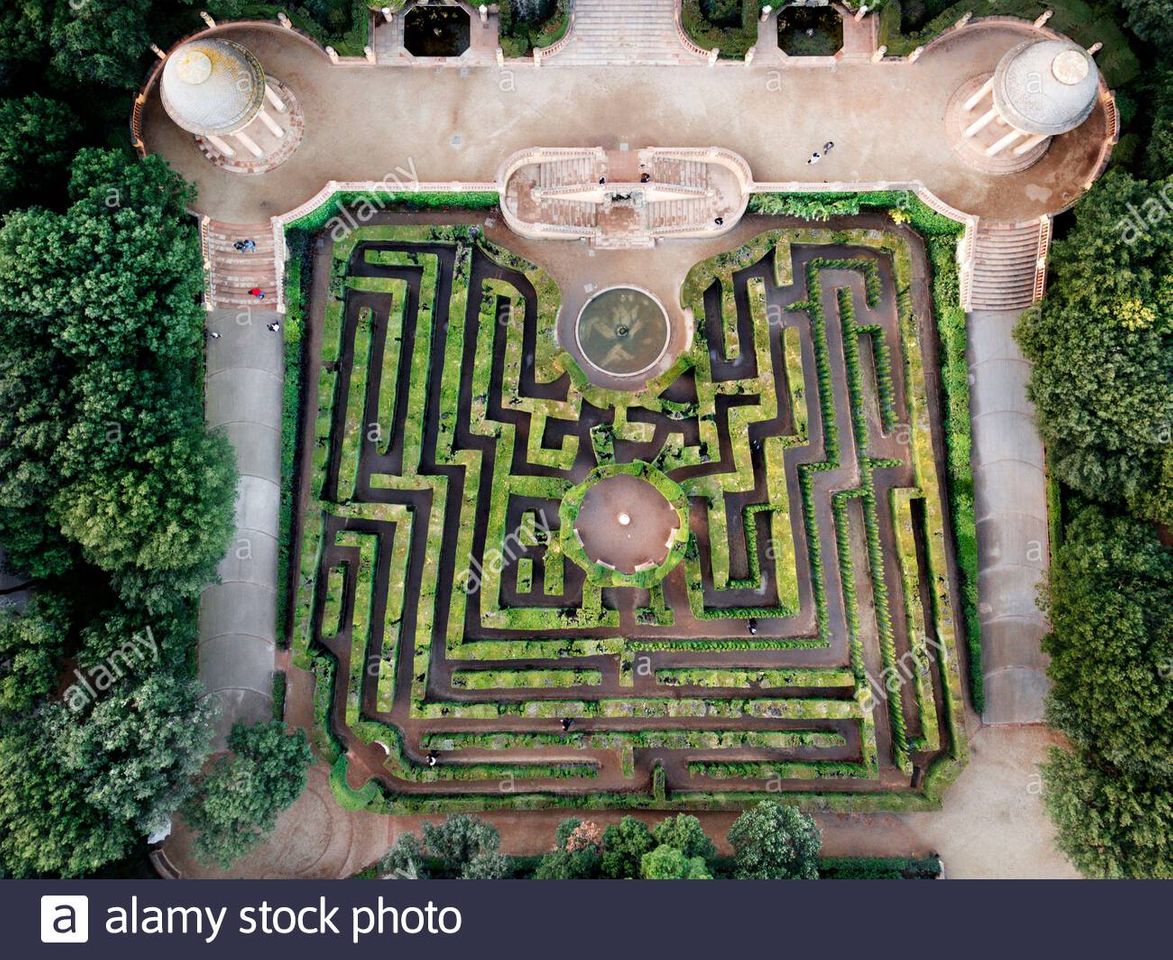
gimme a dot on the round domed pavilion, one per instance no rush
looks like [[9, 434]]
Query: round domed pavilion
[[1041, 88], [1046, 86], [212, 87], [216, 89]]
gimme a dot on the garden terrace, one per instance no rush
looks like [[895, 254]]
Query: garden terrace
[[803, 638]]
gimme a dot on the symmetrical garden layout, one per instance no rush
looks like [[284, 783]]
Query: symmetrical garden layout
[[799, 635]]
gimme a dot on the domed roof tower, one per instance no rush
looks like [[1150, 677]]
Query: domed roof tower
[[1046, 86], [212, 87]]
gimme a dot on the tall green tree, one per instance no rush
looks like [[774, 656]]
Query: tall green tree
[[32, 643], [37, 136], [236, 803], [1101, 352], [1109, 598], [685, 833], [670, 863], [774, 841], [624, 844]]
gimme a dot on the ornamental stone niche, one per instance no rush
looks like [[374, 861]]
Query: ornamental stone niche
[[1003, 122], [242, 120]]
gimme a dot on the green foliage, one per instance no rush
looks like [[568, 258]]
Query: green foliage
[[1108, 824], [1151, 20], [79, 786], [669, 863], [1100, 345], [624, 845], [528, 24], [405, 860], [773, 841], [730, 25], [31, 644], [1109, 597], [879, 868], [47, 824], [1109, 601], [685, 833], [237, 801], [36, 137]]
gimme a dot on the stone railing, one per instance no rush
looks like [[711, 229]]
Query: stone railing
[[1045, 226], [542, 53], [685, 40], [727, 158], [206, 256]]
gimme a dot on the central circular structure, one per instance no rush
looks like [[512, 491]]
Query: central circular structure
[[622, 332], [626, 525]]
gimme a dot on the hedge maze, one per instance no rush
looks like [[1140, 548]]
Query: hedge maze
[[803, 636]]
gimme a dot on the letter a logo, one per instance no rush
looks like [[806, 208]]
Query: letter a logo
[[65, 919]]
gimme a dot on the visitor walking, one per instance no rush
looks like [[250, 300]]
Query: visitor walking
[[248, 245], [828, 147], [432, 758], [274, 326], [720, 221], [753, 627], [814, 157], [257, 292], [214, 334], [566, 724], [645, 177]]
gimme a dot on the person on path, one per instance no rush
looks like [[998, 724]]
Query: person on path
[[274, 326], [249, 245], [720, 221], [828, 146], [257, 292], [214, 334], [566, 724], [814, 157], [753, 627]]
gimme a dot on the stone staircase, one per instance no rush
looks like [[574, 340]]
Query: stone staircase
[[1007, 269], [624, 31], [230, 274], [568, 171]]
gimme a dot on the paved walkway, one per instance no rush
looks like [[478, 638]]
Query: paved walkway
[[1009, 476], [366, 123], [238, 614], [992, 824]]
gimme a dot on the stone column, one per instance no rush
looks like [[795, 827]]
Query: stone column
[[249, 144], [221, 145], [207, 18], [271, 124], [332, 54], [980, 123], [274, 100], [879, 54], [766, 11], [1029, 144], [985, 89], [713, 54], [996, 148], [861, 12]]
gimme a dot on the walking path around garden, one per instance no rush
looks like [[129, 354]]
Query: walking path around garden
[[1010, 501], [991, 825], [238, 615]]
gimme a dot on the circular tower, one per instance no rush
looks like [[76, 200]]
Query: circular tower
[[1003, 122], [218, 91]]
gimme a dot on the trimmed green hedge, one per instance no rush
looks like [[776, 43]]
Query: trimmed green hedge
[[733, 40]]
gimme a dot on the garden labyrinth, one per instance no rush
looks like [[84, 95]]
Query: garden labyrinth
[[734, 582]]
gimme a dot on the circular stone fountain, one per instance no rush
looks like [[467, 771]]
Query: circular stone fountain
[[626, 525], [622, 332]]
